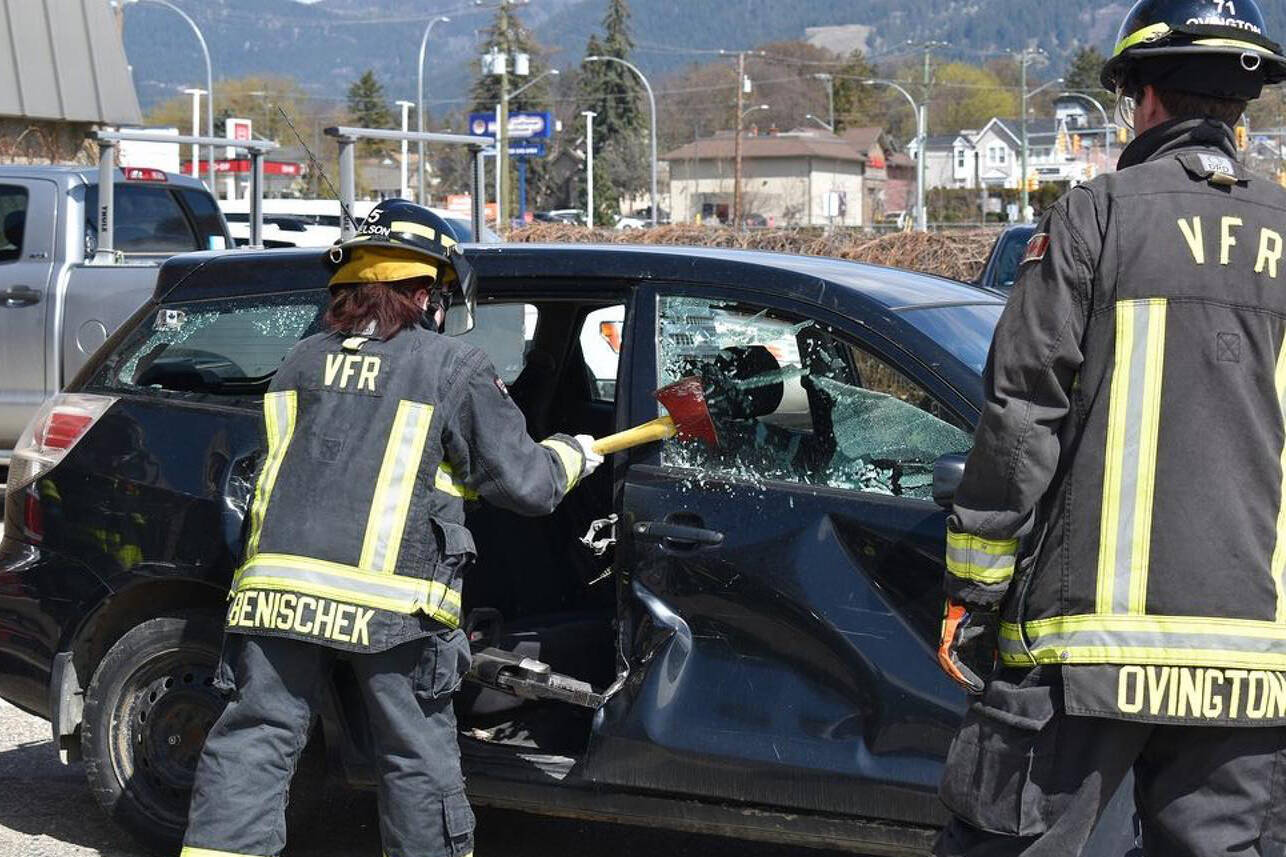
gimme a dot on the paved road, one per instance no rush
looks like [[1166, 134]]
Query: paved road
[[46, 811]]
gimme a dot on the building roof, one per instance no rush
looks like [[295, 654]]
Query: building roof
[[946, 141], [63, 60], [863, 139], [1035, 128], [723, 147]]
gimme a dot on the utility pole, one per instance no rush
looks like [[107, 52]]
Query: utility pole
[[589, 167], [829, 80], [736, 169], [502, 132], [922, 129]]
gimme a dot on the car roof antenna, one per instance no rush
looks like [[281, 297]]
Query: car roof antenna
[[314, 164]]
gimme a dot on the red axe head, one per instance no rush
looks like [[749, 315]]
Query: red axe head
[[685, 400]]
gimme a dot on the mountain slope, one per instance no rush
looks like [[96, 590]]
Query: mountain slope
[[327, 44]]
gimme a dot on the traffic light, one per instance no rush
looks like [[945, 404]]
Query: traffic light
[[1033, 183], [1076, 144], [1243, 138], [1122, 135]]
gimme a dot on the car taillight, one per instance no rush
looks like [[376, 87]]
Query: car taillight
[[55, 429], [144, 174], [611, 332]]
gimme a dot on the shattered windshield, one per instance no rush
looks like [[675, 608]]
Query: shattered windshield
[[791, 401]]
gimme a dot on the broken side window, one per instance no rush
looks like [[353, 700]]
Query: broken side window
[[792, 401]]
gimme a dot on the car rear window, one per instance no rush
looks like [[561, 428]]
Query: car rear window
[[150, 219], [219, 349], [228, 350]]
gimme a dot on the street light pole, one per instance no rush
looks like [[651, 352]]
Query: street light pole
[[589, 167], [651, 98], [209, 79], [419, 105], [921, 122], [1026, 58], [196, 128], [405, 188], [829, 80]]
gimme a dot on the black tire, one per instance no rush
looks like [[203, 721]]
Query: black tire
[[147, 711]]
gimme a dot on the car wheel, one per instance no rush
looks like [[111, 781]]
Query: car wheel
[[147, 711]]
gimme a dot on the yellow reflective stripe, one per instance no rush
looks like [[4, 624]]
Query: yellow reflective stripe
[[391, 503], [1147, 34], [571, 458], [283, 572], [189, 851], [279, 412], [1145, 488], [1143, 656], [1278, 565], [414, 228], [986, 561], [444, 480], [1129, 471]]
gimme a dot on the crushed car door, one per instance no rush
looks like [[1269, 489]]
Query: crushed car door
[[780, 593]]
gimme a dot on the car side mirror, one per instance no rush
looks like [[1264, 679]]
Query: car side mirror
[[948, 471]]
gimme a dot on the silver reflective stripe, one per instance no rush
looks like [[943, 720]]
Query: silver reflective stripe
[[391, 503], [980, 560], [1130, 461]]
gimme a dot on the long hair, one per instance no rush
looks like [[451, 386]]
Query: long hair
[[391, 306]]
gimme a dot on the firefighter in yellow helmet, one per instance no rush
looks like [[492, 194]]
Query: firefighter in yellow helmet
[[377, 432], [1119, 538]]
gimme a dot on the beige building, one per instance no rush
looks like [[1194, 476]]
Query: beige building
[[795, 178], [63, 74]]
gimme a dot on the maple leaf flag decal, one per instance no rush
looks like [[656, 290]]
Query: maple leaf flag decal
[[1036, 248]]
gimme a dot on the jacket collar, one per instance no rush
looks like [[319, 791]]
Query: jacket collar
[[1175, 135]]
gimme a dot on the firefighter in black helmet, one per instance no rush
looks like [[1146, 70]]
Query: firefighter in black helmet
[[378, 431], [1116, 554]]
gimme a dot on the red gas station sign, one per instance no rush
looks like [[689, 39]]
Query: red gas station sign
[[242, 165]]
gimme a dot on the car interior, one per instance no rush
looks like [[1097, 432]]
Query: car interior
[[536, 592]]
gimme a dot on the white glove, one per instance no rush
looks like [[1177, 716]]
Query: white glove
[[592, 458]]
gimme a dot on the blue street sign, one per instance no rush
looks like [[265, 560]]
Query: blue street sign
[[527, 150], [522, 126]]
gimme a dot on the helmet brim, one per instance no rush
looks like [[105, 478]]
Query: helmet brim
[[1114, 70]]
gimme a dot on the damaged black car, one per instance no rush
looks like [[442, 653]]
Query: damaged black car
[[734, 638]]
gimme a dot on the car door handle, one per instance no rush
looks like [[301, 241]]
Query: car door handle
[[678, 534], [19, 296]]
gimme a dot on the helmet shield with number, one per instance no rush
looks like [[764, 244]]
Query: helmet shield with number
[[1218, 48], [400, 240]]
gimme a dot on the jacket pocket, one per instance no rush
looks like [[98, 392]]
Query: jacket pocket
[[458, 821], [455, 543], [1000, 763], [444, 660]]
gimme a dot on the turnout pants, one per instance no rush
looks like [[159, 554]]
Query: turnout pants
[[1025, 778], [243, 777]]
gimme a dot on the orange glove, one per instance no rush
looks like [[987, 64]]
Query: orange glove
[[967, 649]]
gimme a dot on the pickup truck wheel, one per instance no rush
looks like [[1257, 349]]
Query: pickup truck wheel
[[147, 711]]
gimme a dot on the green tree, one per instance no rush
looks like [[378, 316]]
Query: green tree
[[857, 105], [368, 106], [966, 96], [610, 89], [1082, 75]]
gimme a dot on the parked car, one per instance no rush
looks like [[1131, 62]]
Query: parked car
[[56, 305], [625, 222], [315, 222], [1001, 271], [747, 631], [574, 216]]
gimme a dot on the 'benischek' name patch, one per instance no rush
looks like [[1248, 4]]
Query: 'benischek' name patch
[[1037, 247], [300, 615], [1159, 694]]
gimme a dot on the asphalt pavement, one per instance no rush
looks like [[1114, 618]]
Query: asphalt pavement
[[46, 810]]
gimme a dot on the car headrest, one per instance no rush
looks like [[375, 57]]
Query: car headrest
[[15, 223]]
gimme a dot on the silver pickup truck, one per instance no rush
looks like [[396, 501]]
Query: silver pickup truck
[[57, 305]]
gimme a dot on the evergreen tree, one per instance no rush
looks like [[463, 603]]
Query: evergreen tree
[[857, 105], [610, 89], [369, 108], [1082, 75]]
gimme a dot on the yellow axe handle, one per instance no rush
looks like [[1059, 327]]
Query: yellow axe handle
[[659, 429]]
